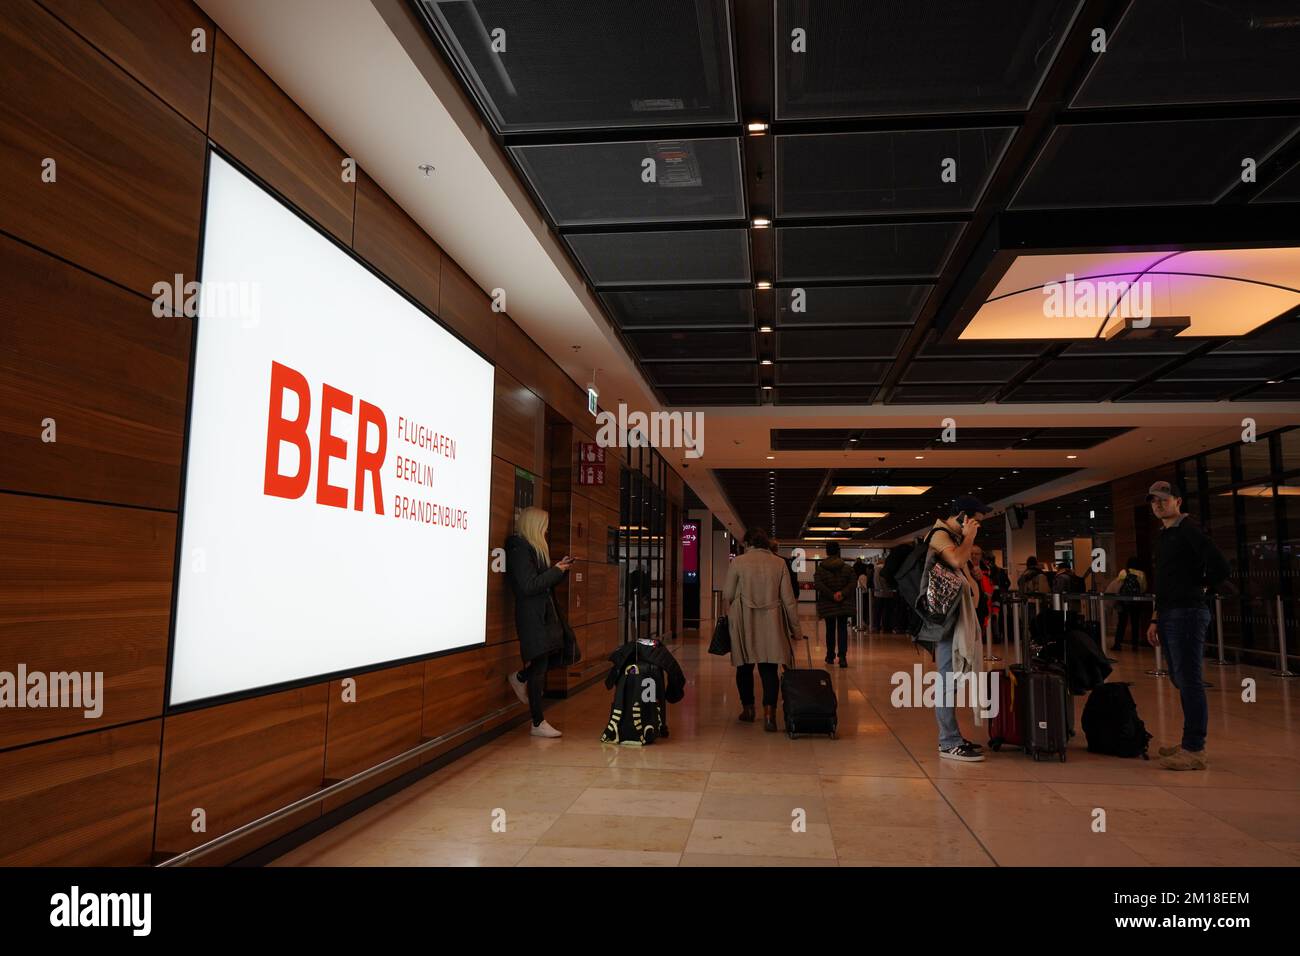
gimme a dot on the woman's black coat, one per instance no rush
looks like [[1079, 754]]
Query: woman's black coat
[[538, 626]]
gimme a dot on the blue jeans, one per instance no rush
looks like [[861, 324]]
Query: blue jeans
[[1182, 635], [949, 733]]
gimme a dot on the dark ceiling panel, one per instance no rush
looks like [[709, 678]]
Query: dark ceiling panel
[[1281, 392], [702, 373], [1282, 335], [1211, 391], [851, 305], [957, 393], [1146, 163], [847, 343], [824, 394], [830, 373], [921, 56], [1286, 188], [899, 171], [682, 257], [689, 346], [592, 184], [849, 253], [1227, 366], [583, 64], [754, 492], [726, 395], [1063, 392], [1175, 51], [944, 371], [1114, 369], [682, 308], [1167, 348]]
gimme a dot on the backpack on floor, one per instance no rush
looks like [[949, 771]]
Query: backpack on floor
[[634, 719], [1112, 725]]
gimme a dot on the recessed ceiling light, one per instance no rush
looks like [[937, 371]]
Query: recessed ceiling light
[[756, 128], [767, 388], [1071, 456], [761, 223], [762, 284], [766, 328], [765, 362], [920, 457], [771, 457]]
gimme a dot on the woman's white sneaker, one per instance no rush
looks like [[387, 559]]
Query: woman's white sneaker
[[519, 687], [545, 730]]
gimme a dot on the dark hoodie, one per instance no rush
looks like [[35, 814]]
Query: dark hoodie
[[833, 575]]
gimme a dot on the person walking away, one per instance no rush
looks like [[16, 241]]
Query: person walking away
[[884, 594], [834, 583], [958, 650], [1186, 563], [1129, 583], [537, 620], [763, 617]]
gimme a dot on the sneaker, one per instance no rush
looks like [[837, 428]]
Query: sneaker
[[519, 687], [963, 751], [545, 730], [843, 662], [1185, 760], [1169, 751], [972, 744]]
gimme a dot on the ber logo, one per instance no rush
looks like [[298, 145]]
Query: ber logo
[[296, 431]]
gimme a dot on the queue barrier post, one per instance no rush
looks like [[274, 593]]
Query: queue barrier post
[[989, 656], [1283, 670], [1221, 660]]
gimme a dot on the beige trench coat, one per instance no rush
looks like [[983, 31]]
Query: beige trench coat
[[760, 601]]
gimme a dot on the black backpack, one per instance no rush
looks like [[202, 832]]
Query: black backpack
[[633, 719], [1112, 725], [1131, 586], [908, 580]]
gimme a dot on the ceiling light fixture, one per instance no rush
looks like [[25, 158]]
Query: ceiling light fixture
[[765, 362], [762, 284], [761, 223], [765, 328], [880, 489], [756, 128]]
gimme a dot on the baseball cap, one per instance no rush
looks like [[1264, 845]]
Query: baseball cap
[[1163, 489], [969, 504]]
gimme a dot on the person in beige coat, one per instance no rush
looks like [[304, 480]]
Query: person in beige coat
[[763, 616]]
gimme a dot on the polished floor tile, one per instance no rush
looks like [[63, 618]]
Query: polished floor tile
[[723, 793]]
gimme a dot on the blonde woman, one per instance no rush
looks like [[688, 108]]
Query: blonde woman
[[537, 619]]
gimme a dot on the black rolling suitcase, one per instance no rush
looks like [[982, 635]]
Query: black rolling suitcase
[[1043, 700], [808, 701]]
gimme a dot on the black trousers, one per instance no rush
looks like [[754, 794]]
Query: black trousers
[[534, 675], [1130, 615], [837, 632], [745, 684]]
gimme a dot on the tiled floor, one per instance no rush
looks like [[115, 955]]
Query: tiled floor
[[722, 793]]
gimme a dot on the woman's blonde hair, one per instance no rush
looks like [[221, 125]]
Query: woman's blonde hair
[[531, 525]]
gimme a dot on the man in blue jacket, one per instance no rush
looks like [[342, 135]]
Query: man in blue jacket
[[1186, 561]]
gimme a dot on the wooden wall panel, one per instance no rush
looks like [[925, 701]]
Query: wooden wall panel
[[499, 661], [238, 762], [453, 691], [84, 588], [572, 594], [524, 359], [84, 801], [500, 602], [518, 424], [266, 131], [382, 721], [127, 196], [468, 309], [393, 243], [151, 40], [92, 357], [602, 590]]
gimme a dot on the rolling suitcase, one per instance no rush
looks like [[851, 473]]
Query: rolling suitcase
[[808, 701], [1043, 700], [1004, 729]]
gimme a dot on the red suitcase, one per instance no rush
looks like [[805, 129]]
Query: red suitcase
[[1004, 729]]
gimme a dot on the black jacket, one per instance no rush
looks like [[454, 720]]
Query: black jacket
[[834, 575], [1186, 561], [652, 653], [536, 621]]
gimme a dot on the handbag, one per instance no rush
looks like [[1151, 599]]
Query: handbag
[[720, 644], [570, 652], [942, 588]]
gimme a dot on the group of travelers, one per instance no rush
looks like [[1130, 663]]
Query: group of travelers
[[761, 593]]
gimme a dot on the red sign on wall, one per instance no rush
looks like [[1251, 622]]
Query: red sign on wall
[[591, 464]]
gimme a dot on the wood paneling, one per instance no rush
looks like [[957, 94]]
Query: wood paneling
[[572, 594], [522, 358], [454, 691], [152, 40], [382, 721], [238, 762], [84, 801], [500, 602], [393, 243], [81, 351], [602, 590], [518, 424], [84, 588], [265, 130], [468, 309], [129, 170]]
